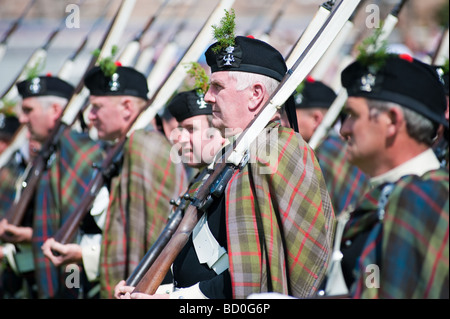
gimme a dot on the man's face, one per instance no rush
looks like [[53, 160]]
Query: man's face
[[106, 115], [230, 112], [39, 120], [307, 122], [198, 142], [365, 134]]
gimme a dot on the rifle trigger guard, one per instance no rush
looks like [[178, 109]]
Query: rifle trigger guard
[[204, 205]]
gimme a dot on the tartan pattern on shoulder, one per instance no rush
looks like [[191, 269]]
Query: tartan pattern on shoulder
[[60, 189], [296, 214], [346, 183], [410, 246], [139, 205]]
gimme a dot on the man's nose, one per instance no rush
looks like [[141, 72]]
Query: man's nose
[[345, 129], [208, 97], [23, 119]]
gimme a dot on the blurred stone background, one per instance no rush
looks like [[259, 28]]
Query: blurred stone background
[[421, 24]]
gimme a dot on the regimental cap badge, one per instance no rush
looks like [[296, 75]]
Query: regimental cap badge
[[35, 86], [201, 101], [367, 82], [299, 98], [114, 84], [229, 58]]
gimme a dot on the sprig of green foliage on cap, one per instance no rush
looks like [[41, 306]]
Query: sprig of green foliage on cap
[[373, 52], [198, 73], [225, 33], [107, 64], [34, 70]]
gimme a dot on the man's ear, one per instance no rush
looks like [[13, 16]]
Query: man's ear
[[396, 120], [127, 107], [56, 111], [317, 116], [257, 94]]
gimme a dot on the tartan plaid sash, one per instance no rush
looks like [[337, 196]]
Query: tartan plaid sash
[[410, 246], [295, 213], [139, 205], [58, 194]]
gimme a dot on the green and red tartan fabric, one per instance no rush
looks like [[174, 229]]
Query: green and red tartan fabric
[[346, 183], [59, 192], [291, 202], [139, 205], [410, 245]]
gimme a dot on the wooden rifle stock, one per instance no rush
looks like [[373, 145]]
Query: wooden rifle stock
[[166, 234], [155, 275], [112, 159], [213, 186], [17, 211], [234, 158], [156, 249]]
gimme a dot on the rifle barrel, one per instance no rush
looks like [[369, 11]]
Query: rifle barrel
[[67, 233], [224, 170], [16, 23], [18, 209]]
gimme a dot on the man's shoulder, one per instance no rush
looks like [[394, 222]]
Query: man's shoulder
[[438, 177], [422, 193]]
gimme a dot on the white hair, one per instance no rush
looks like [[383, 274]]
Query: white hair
[[418, 126], [246, 79], [48, 100]]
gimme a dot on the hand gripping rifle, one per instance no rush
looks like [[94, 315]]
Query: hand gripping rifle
[[16, 212], [69, 229], [336, 107], [234, 159]]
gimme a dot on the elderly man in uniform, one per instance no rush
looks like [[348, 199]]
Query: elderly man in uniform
[[61, 185], [135, 201], [395, 243], [273, 224]]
